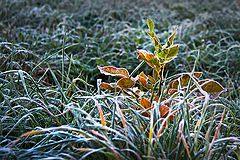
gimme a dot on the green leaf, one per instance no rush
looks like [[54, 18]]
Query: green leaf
[[150, 25], [168, 54], [171, 39], [173, 51], [155, 41], [161, 55]]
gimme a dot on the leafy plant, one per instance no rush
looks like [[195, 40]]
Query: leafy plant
[[161, 98], [149, 88]]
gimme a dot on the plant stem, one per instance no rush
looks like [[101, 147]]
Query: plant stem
[[161, 81]]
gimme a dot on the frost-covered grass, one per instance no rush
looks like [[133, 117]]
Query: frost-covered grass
[[50, 103]]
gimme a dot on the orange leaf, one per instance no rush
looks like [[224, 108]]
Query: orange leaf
[[184, 80], [156, 98], [164, 110], [197, 74], [114, 71], [149, 58], [172, 91], [125, 83], [142, 78], [108, 86], [144, 55], [145, 103]]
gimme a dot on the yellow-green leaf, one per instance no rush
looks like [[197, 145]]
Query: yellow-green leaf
[[171, 39], [161, 55], [155, 41], [150, 25], [213, 88], [173, 51], [152, 80]]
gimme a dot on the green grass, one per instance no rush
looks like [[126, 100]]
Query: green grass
[[49, 51]]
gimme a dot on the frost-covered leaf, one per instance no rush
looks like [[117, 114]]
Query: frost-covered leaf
[[149, 58], [183, 79], [114, 71], [142, 78], [171, 39], [150, 24], [108, 86], [213, 88], [145, 103], [125, 83], [173, 51]]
